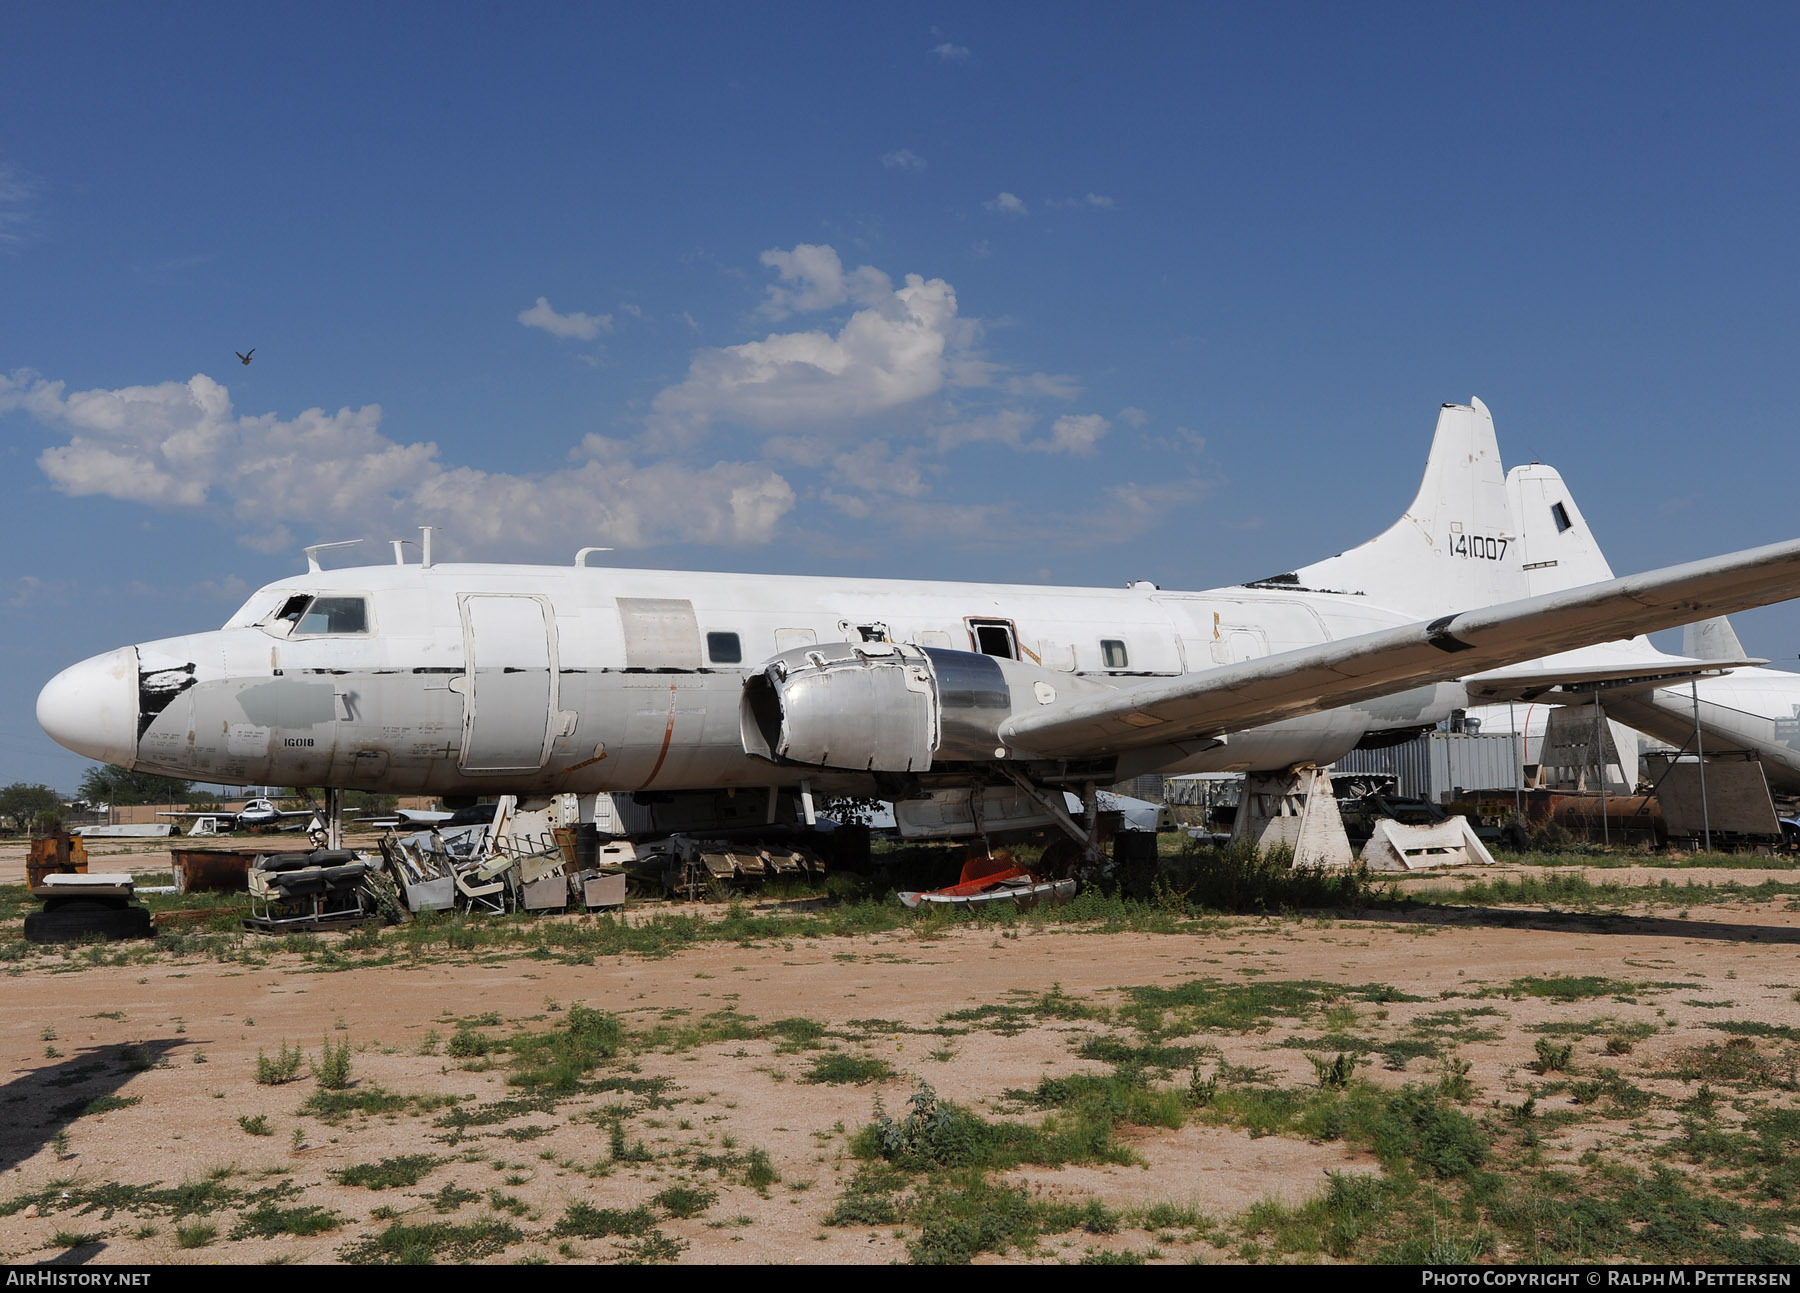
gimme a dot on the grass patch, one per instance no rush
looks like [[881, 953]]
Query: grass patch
[[1123, 1096], [1214, 1005], [584, 1221], [269, 1221], [1026, 1010], [1569, 987], [1755, 1028], [796, 1034], [99, 1104], [854, 1070], [195, 1234], [389, 1173], [555, 1062], [402, 1244], [685, 1201], [935, 1134]]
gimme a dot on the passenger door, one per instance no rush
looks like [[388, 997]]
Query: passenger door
[[509, 692]]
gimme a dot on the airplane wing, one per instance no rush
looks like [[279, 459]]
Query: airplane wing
[[1312, 679]]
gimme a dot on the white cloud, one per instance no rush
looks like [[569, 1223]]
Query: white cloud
[[1074, 434], [1133, 417], [1006, 204], [17, 192], [873, 468], [1007, 426], [949, 53], [816, 280], [1056, 386], [583, 327], [903, 159], [1182, 441], [29, 590], [889, 354], [1091, 200], [179, 444]]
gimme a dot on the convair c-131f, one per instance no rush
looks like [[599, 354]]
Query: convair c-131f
[[465, 680]]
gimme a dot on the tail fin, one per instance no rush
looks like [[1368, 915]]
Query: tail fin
[[1455, 548], [1556, 547], [1713, 639]]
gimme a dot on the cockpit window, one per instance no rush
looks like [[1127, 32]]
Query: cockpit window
[[292, 609], [331, 615]]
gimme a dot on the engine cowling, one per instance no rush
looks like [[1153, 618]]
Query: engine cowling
[[887, 706]]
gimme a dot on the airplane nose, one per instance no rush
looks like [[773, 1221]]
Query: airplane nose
[[92, 707]]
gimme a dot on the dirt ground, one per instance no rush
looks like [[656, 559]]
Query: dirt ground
[[176, 1040]]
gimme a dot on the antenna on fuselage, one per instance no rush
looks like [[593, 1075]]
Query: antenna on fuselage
[[425, 546], [582, 556], [312, 553]]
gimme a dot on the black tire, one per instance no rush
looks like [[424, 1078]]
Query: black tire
[[71, 923], [103, 902], [1060, 858]]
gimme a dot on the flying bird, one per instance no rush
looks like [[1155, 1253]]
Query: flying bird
[[246, 358]]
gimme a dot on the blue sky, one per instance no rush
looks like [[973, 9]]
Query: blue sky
[[1058, 293]]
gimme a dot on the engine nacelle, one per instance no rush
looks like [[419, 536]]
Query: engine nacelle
[[887, 706]]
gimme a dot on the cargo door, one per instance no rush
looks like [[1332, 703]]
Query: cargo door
[[660, 633], [509, 692]]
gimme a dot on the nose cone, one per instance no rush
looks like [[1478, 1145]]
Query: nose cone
[[92, 707]]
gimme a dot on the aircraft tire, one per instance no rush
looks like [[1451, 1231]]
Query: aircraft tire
[[74, 921], [1060, 858]]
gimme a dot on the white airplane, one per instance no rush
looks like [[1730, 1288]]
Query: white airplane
[[1746, 708], [255, 812], [466, 680]]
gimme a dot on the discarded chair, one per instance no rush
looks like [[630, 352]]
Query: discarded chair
[[486, 886]]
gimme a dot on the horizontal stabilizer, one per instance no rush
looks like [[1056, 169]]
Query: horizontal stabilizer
[[1712, 639], [1616, 664], [1311, 679]]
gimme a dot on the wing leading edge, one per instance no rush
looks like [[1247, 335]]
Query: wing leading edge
[[1312, 679]]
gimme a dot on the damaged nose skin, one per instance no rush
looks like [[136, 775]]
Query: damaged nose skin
[[92, 707]]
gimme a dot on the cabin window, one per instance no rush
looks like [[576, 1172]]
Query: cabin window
[[723, 648], [1113, 654], [994, 637], [1560, 515], [792, 639], [334, 615]]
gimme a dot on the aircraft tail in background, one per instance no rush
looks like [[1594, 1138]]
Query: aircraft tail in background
[[1455, 548]]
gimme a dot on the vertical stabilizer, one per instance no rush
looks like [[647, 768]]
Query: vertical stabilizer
[[1455, 548], [1557, 548], [1713, 639]]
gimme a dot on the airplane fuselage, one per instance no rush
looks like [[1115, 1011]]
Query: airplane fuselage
[[475, 679]]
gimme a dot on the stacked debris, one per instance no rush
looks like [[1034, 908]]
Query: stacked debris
[[483, 869], [321, 889]]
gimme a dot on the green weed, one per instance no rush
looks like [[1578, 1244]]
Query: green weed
[[285, 1067], [389, 1173]]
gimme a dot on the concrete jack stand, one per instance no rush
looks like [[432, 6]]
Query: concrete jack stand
[[1294, 807]]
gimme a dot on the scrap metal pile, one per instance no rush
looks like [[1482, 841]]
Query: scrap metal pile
[[522, 860], [485, 868]]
